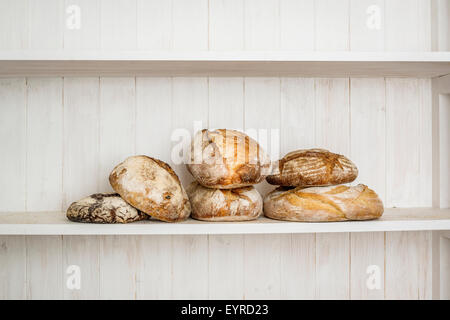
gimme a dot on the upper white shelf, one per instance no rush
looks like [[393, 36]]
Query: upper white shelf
[[207, 63], [56, 223]]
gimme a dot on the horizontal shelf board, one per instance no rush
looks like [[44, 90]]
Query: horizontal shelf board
[[206, 63], [56, 223]]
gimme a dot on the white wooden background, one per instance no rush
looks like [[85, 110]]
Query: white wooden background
[[60, 137]]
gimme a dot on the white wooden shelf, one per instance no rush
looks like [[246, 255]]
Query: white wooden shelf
[[207, 63], [56, 223]]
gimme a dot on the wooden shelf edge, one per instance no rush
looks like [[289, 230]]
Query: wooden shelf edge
[[55, 223]]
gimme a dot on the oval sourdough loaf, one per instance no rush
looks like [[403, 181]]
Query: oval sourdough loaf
[[227, 159], [313, 167], [335, 203], [104, 208], [151, 186], [238, 204]]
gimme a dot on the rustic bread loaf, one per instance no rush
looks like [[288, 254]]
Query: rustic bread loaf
[[227, 159], [313, 167], [151, 186], [103, 208], [239, 204], [334, 203]]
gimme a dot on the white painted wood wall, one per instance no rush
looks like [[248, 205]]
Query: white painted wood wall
[[60, 137]]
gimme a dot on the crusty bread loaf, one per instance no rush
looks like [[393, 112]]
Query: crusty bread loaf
[[151, 186], [224, 204], [313, 167], [227, 159], [334, 203], [104, 208]]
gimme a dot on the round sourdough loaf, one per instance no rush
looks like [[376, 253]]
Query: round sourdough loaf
[[239, 204], [151, 186], [313, 167], [103, 208], [227, 159], [335, 203]]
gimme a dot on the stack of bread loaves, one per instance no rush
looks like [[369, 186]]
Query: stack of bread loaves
[[145, 187], [311, 189], [226, 164]]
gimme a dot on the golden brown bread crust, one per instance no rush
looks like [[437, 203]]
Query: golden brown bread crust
[[315, 204], [227, 159], [313, 167], [239, 204], [151, 186]]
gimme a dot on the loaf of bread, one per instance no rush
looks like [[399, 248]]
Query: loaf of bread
[[334, 203], [151, 186], [104, 208], [313, 167], [227, 159], [239, 204]]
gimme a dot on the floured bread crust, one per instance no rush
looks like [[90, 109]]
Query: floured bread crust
[[313, 167], [104, 208], [335, 203], [227, 159], [239, 204], [151, 186]]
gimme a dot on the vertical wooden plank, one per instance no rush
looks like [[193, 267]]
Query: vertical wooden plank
[[13, 24], [402, 25], [263, 94], [332, 25], [190, 267], [297, 25], [13, 270], [154, 274], [262, 266], [117, 125], [332, 266], [425, 146], [44, 144], [368, 129], [190, 24], [13, 164], [367, 259], [81, 138], [226, 267], [424, 25], [190, 105], [153, 117], [226, 253], [262, 25], [226, 103], [45, 24], [297, 132], [154, 24], [408, 265], [119, 261], [444, 151], [298, 266], [332, 115], [118, 24], [83, 252], [44, 267], [367, 25], [402, 134], [226, 25], [87, 36], [297, 114]]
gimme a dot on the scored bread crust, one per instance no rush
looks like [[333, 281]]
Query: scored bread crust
[[315, 204], [227, 159], [151, 186], [103, 208], [241, 204], [313, 167]]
